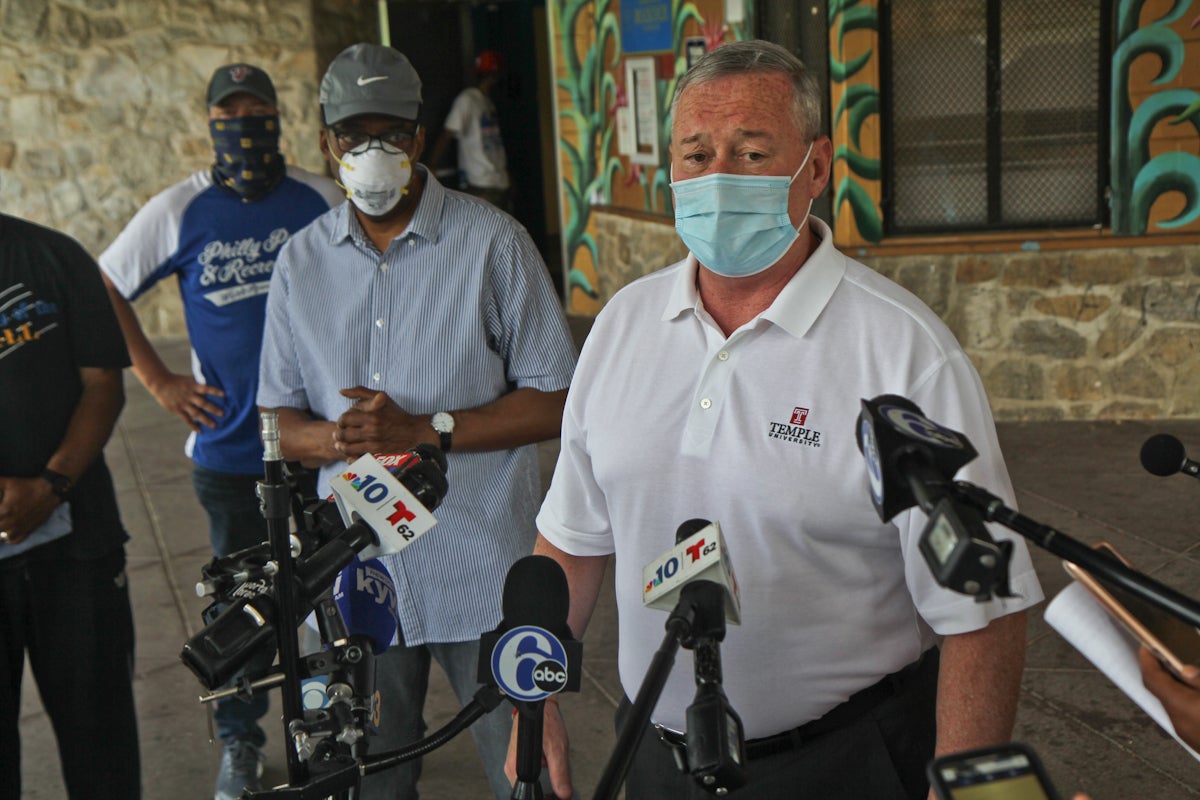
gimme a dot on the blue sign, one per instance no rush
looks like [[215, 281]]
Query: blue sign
[[646, 26]]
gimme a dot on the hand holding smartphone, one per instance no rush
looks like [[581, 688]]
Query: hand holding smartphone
[[1005, 772], [1174, 642]]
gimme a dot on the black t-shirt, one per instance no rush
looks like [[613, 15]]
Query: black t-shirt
[[55, 317]]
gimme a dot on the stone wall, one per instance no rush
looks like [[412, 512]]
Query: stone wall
[[102, 102], [1072, 334]]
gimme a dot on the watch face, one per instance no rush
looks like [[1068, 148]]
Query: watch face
[[442, 422]]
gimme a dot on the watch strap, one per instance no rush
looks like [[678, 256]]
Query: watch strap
[[59, 484], [446, 439]]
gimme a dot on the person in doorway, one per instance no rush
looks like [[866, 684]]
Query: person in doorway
[[219, 232], [474, 123]]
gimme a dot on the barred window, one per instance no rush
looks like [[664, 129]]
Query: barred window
[[995, 114]]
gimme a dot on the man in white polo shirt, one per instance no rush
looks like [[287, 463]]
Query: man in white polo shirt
[[727, 387]]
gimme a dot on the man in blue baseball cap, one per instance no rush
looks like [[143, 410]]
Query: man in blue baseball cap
[[219, 231]]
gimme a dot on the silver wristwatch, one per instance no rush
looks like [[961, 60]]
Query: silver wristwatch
[[443, 423]]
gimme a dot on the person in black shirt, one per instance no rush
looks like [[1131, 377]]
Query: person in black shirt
[[64, 596]]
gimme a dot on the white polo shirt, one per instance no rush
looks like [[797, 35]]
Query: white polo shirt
[[668, 420]]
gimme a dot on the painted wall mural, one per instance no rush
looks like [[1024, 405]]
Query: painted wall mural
[[589, 58], [854, 98], [1153, 106]]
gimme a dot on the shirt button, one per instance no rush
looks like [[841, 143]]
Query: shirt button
[[378, 323], [723, 355], [706, 403], [375, 377], [411, 242]]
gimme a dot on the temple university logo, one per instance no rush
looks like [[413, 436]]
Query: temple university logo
[[239, 73], [796, 430]]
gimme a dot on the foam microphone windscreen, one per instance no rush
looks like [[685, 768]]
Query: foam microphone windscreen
[[1163, 455], [536, 593]]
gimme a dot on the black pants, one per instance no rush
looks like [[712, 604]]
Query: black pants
[[880, 754], [73, 618]]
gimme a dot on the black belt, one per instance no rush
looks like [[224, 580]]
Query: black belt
[[840, 716]]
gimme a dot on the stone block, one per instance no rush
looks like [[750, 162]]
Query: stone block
[[1184, 399], [1034, 271], [1172, 347], [68, 27], [1127, 410], [1108, 265], [8, 152], [1136, 378], [1078, 383], [1165, 265], [930, 279], [974, 269], [113, 78], [1048, 338], [33, 116], [1120, 333], [41, 163], [25, 20], [1016, 380], [1171, 301], [1076, 307]]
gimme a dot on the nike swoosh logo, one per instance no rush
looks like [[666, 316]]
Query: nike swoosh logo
[[364, 81]]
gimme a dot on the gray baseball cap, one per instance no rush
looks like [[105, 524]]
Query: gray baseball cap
[[370, 79]]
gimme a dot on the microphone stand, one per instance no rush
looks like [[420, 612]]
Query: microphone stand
[[699, 617], [993, 509], [530, 723], [276, 507]]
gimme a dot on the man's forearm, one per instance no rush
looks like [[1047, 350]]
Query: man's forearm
[[521, 417], [91, 423], [978, 685], [305, 439], [147, 364], [584, 575]]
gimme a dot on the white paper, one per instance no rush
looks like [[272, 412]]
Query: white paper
[[1091, 630], [625, 137]]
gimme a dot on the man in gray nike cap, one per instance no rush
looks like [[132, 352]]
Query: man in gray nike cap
[[418, 314]]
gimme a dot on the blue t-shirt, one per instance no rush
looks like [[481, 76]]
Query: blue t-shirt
[[223, 251]]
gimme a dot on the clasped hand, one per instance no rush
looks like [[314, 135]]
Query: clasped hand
[[375, 424]]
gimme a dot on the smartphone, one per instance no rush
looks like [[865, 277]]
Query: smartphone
[[1172, 640], [1005, 772]]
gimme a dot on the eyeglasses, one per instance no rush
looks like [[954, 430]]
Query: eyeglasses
[[358, 141]]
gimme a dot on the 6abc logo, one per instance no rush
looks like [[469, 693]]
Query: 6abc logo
[[529, 663]]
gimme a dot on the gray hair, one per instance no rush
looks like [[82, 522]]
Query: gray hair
[[757, 56]]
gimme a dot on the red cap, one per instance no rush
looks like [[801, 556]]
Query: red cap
[[489, 61]]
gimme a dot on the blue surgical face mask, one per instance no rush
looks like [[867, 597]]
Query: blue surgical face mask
[[737, 225]]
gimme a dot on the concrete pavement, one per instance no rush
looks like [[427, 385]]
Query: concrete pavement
[[1082, 478]]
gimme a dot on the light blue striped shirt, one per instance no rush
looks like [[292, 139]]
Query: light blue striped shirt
[[458, 312]]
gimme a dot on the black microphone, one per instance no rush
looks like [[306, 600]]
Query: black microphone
[[911, 460], [531, 655], [715, 742], [246, 627], [1163, 455], [909, 457]]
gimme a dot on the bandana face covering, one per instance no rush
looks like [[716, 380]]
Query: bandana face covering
[[248, 161], [737, 225]]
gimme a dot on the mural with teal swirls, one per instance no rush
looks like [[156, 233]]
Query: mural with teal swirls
[[1137, 179], [592, 89], [858, 102]]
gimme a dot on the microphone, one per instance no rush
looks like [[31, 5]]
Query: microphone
[[698, 555], [1163, 455], [393, 494], [911, 460], [366, 597], [531, 655], [247, 626], [908, 456], [715, 742]]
